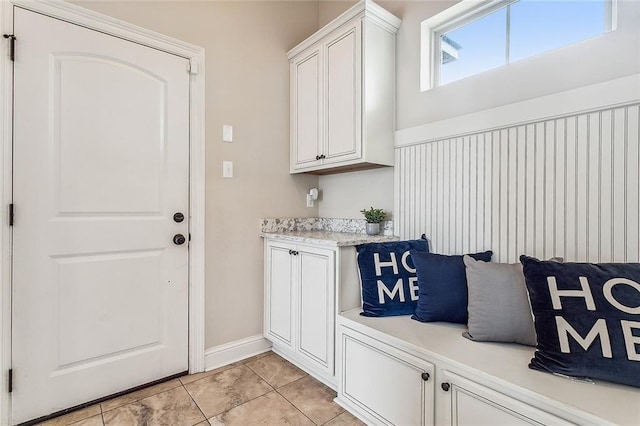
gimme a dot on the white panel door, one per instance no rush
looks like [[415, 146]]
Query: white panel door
[[100, 290], [343, 96], [316, 311]]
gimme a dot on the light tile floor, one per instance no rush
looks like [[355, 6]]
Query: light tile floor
[[264, 390]]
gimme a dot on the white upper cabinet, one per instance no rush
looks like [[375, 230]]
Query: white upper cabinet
[[343, 93]]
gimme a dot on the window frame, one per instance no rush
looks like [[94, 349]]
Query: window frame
[[460, 14]]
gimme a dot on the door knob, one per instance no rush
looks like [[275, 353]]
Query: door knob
[[179, 239], [178, 217]]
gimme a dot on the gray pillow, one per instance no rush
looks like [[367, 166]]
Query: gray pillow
[[499, 309]]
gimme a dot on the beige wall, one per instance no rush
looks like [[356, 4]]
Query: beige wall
[[247, 85], [343, 195]]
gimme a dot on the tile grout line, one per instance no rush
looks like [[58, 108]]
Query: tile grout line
[[333, 418], [263, 378], [294, 405], [239, 405], [236, 406], [286, 399], [299, 409], [195, 403]]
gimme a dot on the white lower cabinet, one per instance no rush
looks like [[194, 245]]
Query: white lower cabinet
[[384, 385], [467, 403], [299, 305]]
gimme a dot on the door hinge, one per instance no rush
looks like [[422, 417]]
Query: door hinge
[[10, 380], [10, 214], [192, 67], [12, 46]]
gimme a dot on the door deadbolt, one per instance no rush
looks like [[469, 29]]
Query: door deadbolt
[[178, 217]]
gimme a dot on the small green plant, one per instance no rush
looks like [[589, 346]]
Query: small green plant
[[373, 215]]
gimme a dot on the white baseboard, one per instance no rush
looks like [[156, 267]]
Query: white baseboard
[[228, 353]]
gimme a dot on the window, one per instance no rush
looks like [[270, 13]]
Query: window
[[472, 37]]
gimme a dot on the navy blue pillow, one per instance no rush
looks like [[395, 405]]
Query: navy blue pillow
[[388, 277], [587, 318], [442, 283]]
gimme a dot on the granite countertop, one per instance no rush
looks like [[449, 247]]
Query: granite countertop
[[325, 231], [330, 238]]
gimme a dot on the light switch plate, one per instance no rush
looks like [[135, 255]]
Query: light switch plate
[[227, 169], [227, 133]]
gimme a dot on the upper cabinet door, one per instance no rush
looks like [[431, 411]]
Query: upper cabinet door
[[343, 96], [306, 100], [343, 93]]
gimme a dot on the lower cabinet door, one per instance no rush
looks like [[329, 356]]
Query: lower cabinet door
[[316, 311], [471, 404], [386, 385], [279, 296]]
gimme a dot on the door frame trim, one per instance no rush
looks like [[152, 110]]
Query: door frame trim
[[93, 20]]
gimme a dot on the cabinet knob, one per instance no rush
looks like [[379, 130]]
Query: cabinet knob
[[425, 376], [445, 386], [317, 157], [293, 252], [322, 157]]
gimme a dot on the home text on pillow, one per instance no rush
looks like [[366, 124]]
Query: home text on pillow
[[600, 327]]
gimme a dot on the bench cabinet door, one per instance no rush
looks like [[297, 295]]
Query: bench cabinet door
[[385, 385], [467, 403]]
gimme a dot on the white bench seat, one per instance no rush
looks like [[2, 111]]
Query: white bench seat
[[497, 366]]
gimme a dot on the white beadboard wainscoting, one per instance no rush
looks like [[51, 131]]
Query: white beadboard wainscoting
[[564, 186]]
